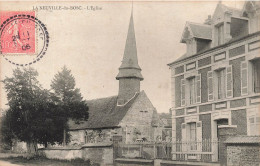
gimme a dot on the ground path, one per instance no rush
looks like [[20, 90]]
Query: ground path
[[6, 163]]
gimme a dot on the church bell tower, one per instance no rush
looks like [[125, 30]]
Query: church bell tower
[[129, 75]]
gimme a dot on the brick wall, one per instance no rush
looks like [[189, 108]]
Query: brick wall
[[178, 90], [179, 69], [204, 84], [179, 112], [206, 125], [243, 154], [237, 51], [205, 108], [237, 103], [204, 61], [238, 117], [236, 68], [179, 121]]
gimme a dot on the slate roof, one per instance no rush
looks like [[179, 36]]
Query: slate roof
[[243, 139], [103, 113], [201, 30], [196, 30], [129, 67]]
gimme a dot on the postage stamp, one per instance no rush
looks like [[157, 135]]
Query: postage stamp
[[18, 36], [24, 38]]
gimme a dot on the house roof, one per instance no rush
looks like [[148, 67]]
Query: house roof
[[103, 113], [202, 31], [234, 40], [197, 30], [243, 139]]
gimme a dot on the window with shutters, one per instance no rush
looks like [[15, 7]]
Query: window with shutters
[[256, 75], [254, 125], [210, 85], [221, 83], [193, 136], [182, 92], [191, 90]]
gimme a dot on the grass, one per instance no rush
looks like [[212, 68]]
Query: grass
[[42, 161]]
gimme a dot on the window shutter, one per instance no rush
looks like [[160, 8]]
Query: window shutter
[[210, 85], [244, 78], [183, 136], [182, 92], [199, 136], [229, 82], [198, 88]]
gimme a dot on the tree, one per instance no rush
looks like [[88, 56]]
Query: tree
[[6, 135], [32, 116], [68, 99]]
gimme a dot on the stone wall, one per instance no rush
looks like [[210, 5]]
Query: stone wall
[[137, 121], [80, 137], [62, 154], [243, 154], [101, 153]]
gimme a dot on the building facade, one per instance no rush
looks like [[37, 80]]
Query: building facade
[[216, 83]]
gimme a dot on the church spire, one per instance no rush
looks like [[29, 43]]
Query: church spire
[[129, 67], [129, 75]]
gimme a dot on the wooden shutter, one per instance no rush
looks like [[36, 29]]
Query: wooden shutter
[[244, 78], [198, 88], [182, 92], [229, 82], [183, 136], [210, 86], [199, 136]]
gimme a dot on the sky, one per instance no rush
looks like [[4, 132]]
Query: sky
[[91, 43]]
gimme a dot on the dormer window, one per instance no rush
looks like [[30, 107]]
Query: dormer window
[[197, 37], [238, 28], [220, 34]]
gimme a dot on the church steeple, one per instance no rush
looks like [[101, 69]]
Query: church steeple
[[130, 60], [129, 75]]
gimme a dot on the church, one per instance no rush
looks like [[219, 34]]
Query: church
[[130, 116]]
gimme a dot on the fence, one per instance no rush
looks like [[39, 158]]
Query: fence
[[144, 150], [205, 150]]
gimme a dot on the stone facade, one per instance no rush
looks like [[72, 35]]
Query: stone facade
[[139, 123], [243, 154]]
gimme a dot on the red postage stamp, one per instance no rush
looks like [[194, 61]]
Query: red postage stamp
[[18, 35]]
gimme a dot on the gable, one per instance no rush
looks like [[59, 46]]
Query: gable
[[220, 11], [250, 7], [195, 30], [140, 113]]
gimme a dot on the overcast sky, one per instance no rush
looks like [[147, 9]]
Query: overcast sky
[[91, 43]]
